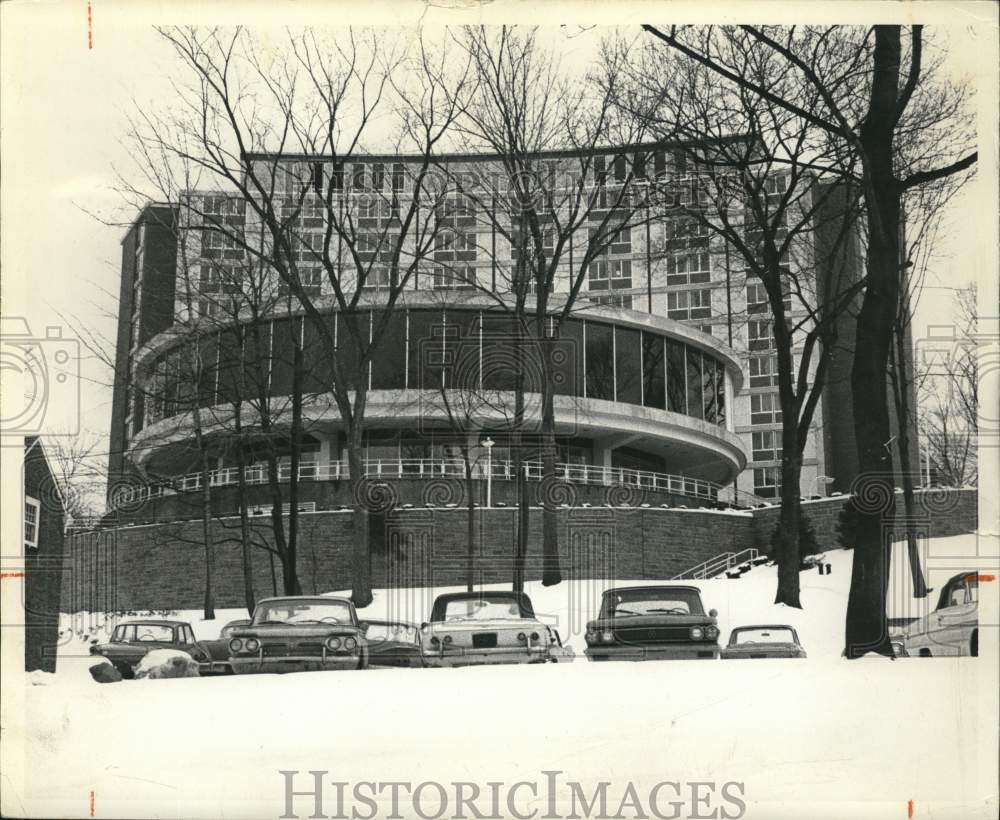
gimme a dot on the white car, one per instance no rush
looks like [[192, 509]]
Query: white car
[[952, 628], [490, 627]]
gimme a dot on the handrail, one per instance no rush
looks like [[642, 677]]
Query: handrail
[[400, 468], [718, 564]]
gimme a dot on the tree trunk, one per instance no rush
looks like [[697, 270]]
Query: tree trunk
[[520, 476], [292, 571], [789, 523], [470, 497], [901, 387], [865, 628], [241, 486], [206, 517], [551, 571], [361, 568], [288, 583]]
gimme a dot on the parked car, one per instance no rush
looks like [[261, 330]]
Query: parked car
[[393, 643], [774, 641], [487, 627], [953, 627], [299, 633], [130, 642], [652, 623], [213, 656]]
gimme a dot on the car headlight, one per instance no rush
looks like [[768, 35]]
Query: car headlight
[[447, 639], [534, 636], [607, 636], [522, 637], [350, 644], [235, 645], [251, 645], [697, 633], [435, 640], [590, 637], [711, 632], [333, 643]]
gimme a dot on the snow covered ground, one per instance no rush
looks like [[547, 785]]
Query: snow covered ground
[[824, 737]]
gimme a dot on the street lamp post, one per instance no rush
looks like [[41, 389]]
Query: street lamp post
[[488, 444]]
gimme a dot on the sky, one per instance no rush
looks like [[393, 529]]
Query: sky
[[69, 86]]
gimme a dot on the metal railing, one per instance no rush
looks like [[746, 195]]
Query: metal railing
[[717, 565], [402, 468]]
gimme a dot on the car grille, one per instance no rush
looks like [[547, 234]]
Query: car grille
[[281, 650], [484, 640], [652, 634]]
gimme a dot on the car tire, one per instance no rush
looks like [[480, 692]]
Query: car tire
[[125, 670], [925, 653], [974, 644]]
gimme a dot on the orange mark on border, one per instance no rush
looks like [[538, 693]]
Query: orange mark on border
[[909, 808], [91, 802], [11, 574], [90, 27], [985, 579]]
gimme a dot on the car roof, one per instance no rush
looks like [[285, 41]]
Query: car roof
[[496, 593], [641, 587], [305, 599], [154, 622], [764, 626]]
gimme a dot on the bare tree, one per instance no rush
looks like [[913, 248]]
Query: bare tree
[[948, 400], [872, 85], [745, 173], [558, 197], [277, 130]]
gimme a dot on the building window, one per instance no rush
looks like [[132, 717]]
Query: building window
[[767, 481], [765, 408], [756, 298], [688, 267], [32, 510], [689, 304], [613, 274], [766, 445], [760, 336], [454, 277], [454, 241], [763, 371]]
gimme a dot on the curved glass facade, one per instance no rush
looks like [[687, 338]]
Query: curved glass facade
[[426, 349]]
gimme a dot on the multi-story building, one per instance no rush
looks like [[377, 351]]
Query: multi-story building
[[667, 375]]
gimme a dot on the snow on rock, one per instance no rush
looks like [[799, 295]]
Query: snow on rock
[[166, 663], [105, 673]]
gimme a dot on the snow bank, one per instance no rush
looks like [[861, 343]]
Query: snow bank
[[166, 663]]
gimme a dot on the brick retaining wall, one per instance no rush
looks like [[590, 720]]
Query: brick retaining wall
[[161, 566]]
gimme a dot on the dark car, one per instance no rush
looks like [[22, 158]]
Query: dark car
[[131, 642], [213, 656], [299, 633], [488, 627], [393, 643], [771, 641], [652, 623]]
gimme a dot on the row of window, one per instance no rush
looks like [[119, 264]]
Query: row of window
[[429, 349]]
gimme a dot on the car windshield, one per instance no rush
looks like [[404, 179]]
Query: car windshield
[[767, 634], [630, 602], [391, 632], [154, 632], [302, 612], [482, 608]]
